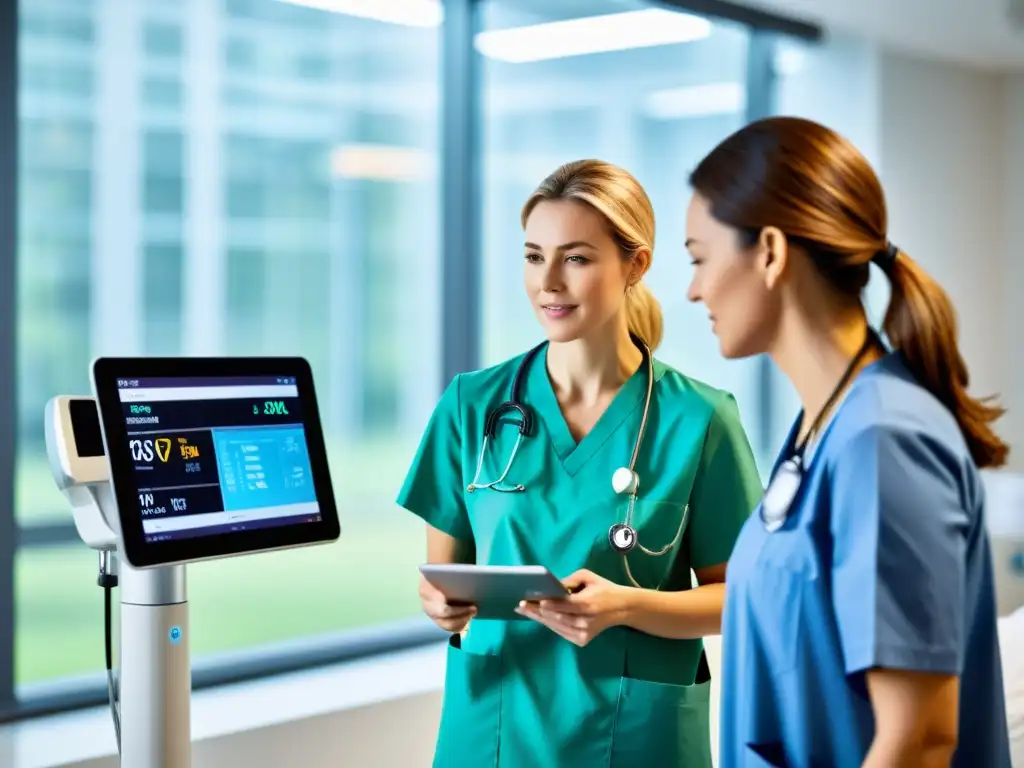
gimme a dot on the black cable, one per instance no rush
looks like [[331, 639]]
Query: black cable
[[108, 581]]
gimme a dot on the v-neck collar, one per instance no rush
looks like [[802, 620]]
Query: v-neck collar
[[815, 444], [571, 454]]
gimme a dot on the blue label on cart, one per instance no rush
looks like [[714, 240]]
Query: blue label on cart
[[175, 635], [1017, 563]]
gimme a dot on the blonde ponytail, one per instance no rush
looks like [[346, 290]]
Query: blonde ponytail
[[643, 314]]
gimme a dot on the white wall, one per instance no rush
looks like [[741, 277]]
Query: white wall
[[393, 733], [952, 161], [943, 149], [1012, 293], [365, 714], [837, 84], [948, 144], [378, 711]]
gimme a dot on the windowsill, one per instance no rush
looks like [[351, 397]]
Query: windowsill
[[70, 738]]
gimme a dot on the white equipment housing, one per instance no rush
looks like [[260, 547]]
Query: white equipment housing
[[129, 504], [152, 707]]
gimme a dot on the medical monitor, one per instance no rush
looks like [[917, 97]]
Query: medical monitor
[[213, 457], [74, 442]]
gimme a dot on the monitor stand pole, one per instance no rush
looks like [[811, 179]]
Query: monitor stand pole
[[156, 675]]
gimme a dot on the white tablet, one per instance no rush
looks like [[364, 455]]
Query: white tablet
[[495, 590]]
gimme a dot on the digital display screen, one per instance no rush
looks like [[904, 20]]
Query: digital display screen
[[217, 455], [85, 428]]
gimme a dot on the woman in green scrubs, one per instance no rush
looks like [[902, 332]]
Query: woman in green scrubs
[[614, 675]]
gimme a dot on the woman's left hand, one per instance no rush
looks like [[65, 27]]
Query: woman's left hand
[[594, 605]]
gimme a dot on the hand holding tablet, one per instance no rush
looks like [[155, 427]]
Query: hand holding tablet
[[493, 590], [451, 617]]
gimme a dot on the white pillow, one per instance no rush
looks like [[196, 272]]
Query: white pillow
[[1011, 644]]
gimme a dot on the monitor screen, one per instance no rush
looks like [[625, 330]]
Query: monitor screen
[[217, 455], [85, 427], [212, 456]]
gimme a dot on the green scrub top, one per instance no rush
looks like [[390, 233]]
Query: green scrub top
[[517, 694]]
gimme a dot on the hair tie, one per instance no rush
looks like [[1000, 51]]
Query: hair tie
[[886, 258]]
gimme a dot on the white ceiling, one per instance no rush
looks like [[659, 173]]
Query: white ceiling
[[976, 32]]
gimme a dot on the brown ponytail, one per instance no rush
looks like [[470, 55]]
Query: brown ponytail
[[812, 184], [921, 323]]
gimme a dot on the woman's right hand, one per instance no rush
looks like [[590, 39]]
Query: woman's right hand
[[451, 618]]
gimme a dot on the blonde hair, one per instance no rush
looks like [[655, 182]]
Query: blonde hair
[[615, 194]]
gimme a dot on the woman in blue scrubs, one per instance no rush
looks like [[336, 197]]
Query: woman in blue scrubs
[[614, 675], [860, 620]]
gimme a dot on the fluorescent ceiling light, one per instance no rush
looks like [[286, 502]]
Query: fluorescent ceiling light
[[696, 101], [381, 162], [408, 13], [592, 34], [790, 60]]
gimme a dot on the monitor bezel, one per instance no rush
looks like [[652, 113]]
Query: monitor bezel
[[141, 554]]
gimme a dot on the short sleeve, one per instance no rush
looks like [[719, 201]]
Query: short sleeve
[[433, 487], [899, 539], [726, 490]]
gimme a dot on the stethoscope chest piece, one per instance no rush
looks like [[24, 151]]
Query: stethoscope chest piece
[[625, 480], [785, 483], [622, 538], [781, 493]]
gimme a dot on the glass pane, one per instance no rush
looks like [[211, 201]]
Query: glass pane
[[58, 614], [584, 88], [830, 82], [247, 177], [234, 603]]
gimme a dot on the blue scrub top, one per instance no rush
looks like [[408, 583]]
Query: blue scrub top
[[884, 561]]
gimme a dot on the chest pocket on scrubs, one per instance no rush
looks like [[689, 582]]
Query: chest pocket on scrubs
[[659, 724], [766, 756], [784, 591], [471, 715], [661, 533]]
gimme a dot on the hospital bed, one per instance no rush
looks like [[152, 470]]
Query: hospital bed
[[1005, 497], [1011, 642]]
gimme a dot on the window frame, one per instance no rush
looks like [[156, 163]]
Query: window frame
[[8, 315], [462, 266]]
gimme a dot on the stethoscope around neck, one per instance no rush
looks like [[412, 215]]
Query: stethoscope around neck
[[622, 536], [785, 484]]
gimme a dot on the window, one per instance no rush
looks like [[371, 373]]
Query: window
[[65, 27], [653, 110], [303, 222], [162, 40], [262, 177], [162, 267], [832, 83], [163, 154], [162, 92]]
